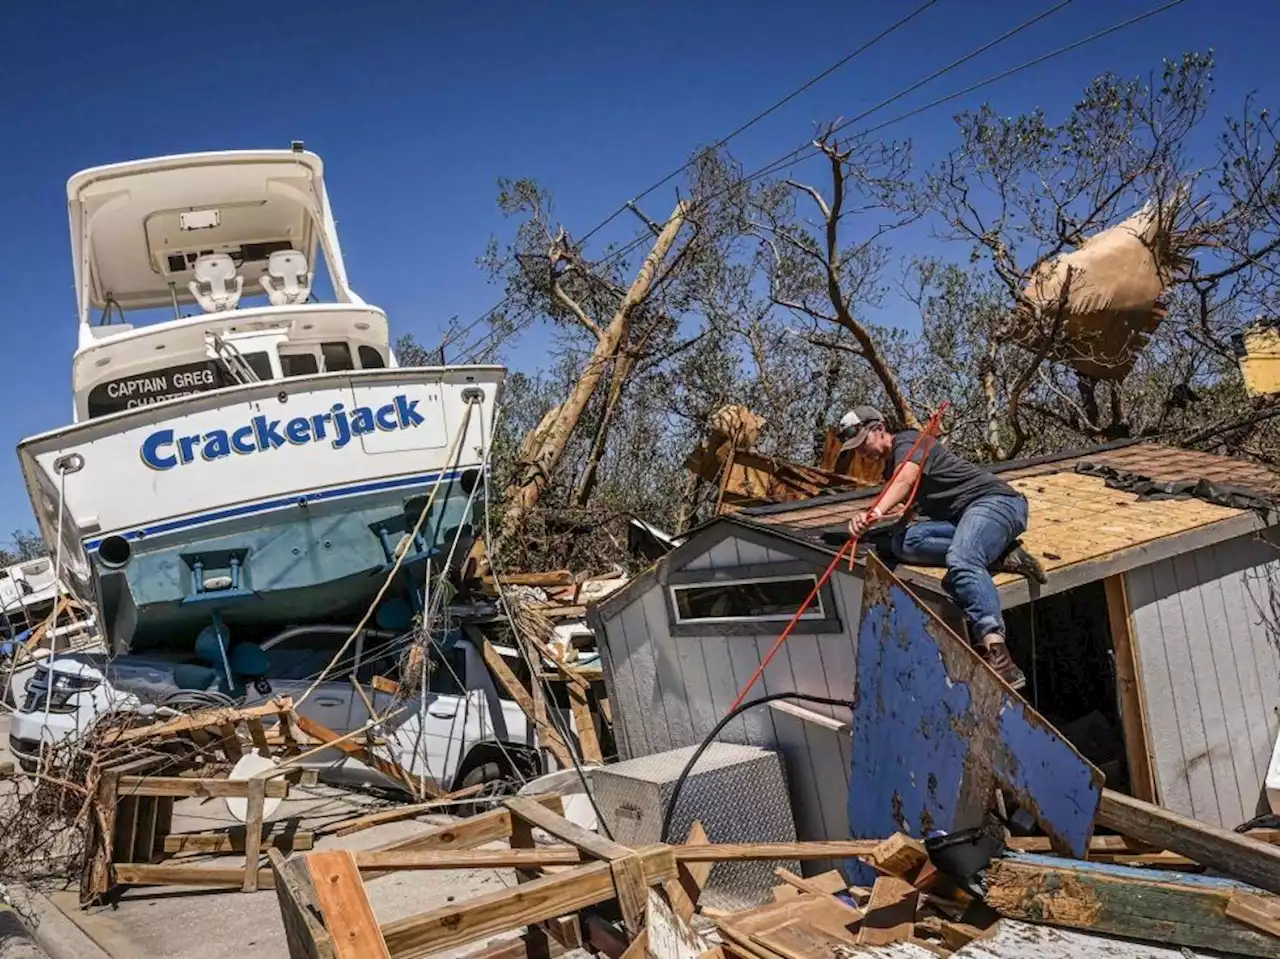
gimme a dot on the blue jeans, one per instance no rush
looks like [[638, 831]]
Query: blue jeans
[[967, 548]]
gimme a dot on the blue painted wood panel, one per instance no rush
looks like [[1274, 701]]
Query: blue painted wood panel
[[935, 730]]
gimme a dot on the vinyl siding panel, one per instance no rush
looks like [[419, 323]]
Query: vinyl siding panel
[[1206, 633]]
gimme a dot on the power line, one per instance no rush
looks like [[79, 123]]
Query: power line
[[805, 152], [812, 81], [774, 107]]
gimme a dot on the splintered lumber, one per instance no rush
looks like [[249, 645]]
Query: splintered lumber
[[534, 858], [1120, 901], [531, 902], [891, 912], [666, 935], [511, 682], [686, 888], [1233, 854], [627, 873], [344, 906], [818, 891], [1260, 912], [213, 843], [204, 720], [900, 855], [765, 851], [203, 788], [305, 935]]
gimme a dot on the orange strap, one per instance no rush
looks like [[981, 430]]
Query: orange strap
[[931, 430]]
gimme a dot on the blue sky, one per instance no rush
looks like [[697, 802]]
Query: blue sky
[[418, 108]]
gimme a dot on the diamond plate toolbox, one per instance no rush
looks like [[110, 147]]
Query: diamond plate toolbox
[[738, 792]]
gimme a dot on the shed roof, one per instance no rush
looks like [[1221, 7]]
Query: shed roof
[[1080, 524]]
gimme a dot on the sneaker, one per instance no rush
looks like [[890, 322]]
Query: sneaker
[[1021, 563], [998, 658]]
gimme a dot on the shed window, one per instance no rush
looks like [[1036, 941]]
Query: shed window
[[746, 599]]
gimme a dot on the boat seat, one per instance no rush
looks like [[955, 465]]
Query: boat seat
[[287, 279], [217, 286]]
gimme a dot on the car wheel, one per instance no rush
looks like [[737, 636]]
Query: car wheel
[[495, 779]]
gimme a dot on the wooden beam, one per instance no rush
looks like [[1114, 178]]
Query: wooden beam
[[632, 890], [203, 788], [542, 899], [344, 906], [586, 724], [1133, 705], [214, 843], [809, 716], [686, 888], [166, 874], [553, 740], [1260, 912], [1233, 854], [766, 851], [1116, 900], [253, 832], [201, 720], [305, 935], [900, 855], [534, 858], [891, 912], [345, 827]]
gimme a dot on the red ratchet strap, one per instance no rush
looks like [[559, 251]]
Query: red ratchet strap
[[931, 430]]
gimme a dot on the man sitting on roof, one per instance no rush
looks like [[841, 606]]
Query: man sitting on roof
[[973, 523]]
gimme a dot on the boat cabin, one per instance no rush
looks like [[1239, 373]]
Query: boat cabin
[[210, 270]]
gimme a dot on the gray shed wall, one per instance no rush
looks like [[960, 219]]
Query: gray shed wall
[[669, 691], [1206, 638]]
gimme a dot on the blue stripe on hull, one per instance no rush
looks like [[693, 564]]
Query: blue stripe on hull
[[336, 492]]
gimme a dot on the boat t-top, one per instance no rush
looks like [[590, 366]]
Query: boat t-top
[[244, 448]]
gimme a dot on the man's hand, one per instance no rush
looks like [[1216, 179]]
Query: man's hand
[[864, 521]]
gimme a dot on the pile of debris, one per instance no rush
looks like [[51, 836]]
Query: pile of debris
[[956, 895]]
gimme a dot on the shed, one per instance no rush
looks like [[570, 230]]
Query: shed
[[1154, 646]]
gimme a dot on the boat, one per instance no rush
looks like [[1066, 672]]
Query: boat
[[245, 453]]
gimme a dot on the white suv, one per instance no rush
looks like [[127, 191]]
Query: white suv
[[465, 729]]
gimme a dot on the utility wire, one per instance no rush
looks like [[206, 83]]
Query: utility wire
[[802, 153], [812, 81]]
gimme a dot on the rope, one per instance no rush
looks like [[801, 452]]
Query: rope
[[454, 456], [931, 431]]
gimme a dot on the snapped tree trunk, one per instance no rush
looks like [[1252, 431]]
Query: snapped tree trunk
[[623, 364], [540, 466]]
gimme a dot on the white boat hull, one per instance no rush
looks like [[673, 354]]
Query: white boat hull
[[272, 502]]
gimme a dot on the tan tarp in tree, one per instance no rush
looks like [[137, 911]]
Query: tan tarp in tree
[[1117, 279]]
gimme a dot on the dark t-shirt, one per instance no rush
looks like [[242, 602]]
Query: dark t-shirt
[[950, 483]]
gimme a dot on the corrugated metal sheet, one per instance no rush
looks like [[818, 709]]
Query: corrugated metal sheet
[[934, 731], [1206, 629]]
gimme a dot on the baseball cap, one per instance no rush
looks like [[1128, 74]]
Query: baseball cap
[[856, 424]]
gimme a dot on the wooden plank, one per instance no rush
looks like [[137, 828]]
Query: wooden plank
[[1233, 854], [96, 874], [203, 788], [900, 855], [891, 912], [627, 873], [1178, 910], [306, 937], [818, 892], [344, 906], [345, 827], [259, 736], [515, 858], [230, 740], [553, 740], [523, 947], [1262, 913], [144, 835], [546, 898], [1133, 707], [686, 888], [253, 832], [233, 841], [343, 743], [765, 851], [809, 716], [586, 725], [167, 874], [667, 935]]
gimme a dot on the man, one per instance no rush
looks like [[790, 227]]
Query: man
[[974, 521]]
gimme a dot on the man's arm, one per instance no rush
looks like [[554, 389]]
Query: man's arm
[[893, 497]]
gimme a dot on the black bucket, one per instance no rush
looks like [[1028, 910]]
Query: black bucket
[[964, 856]]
